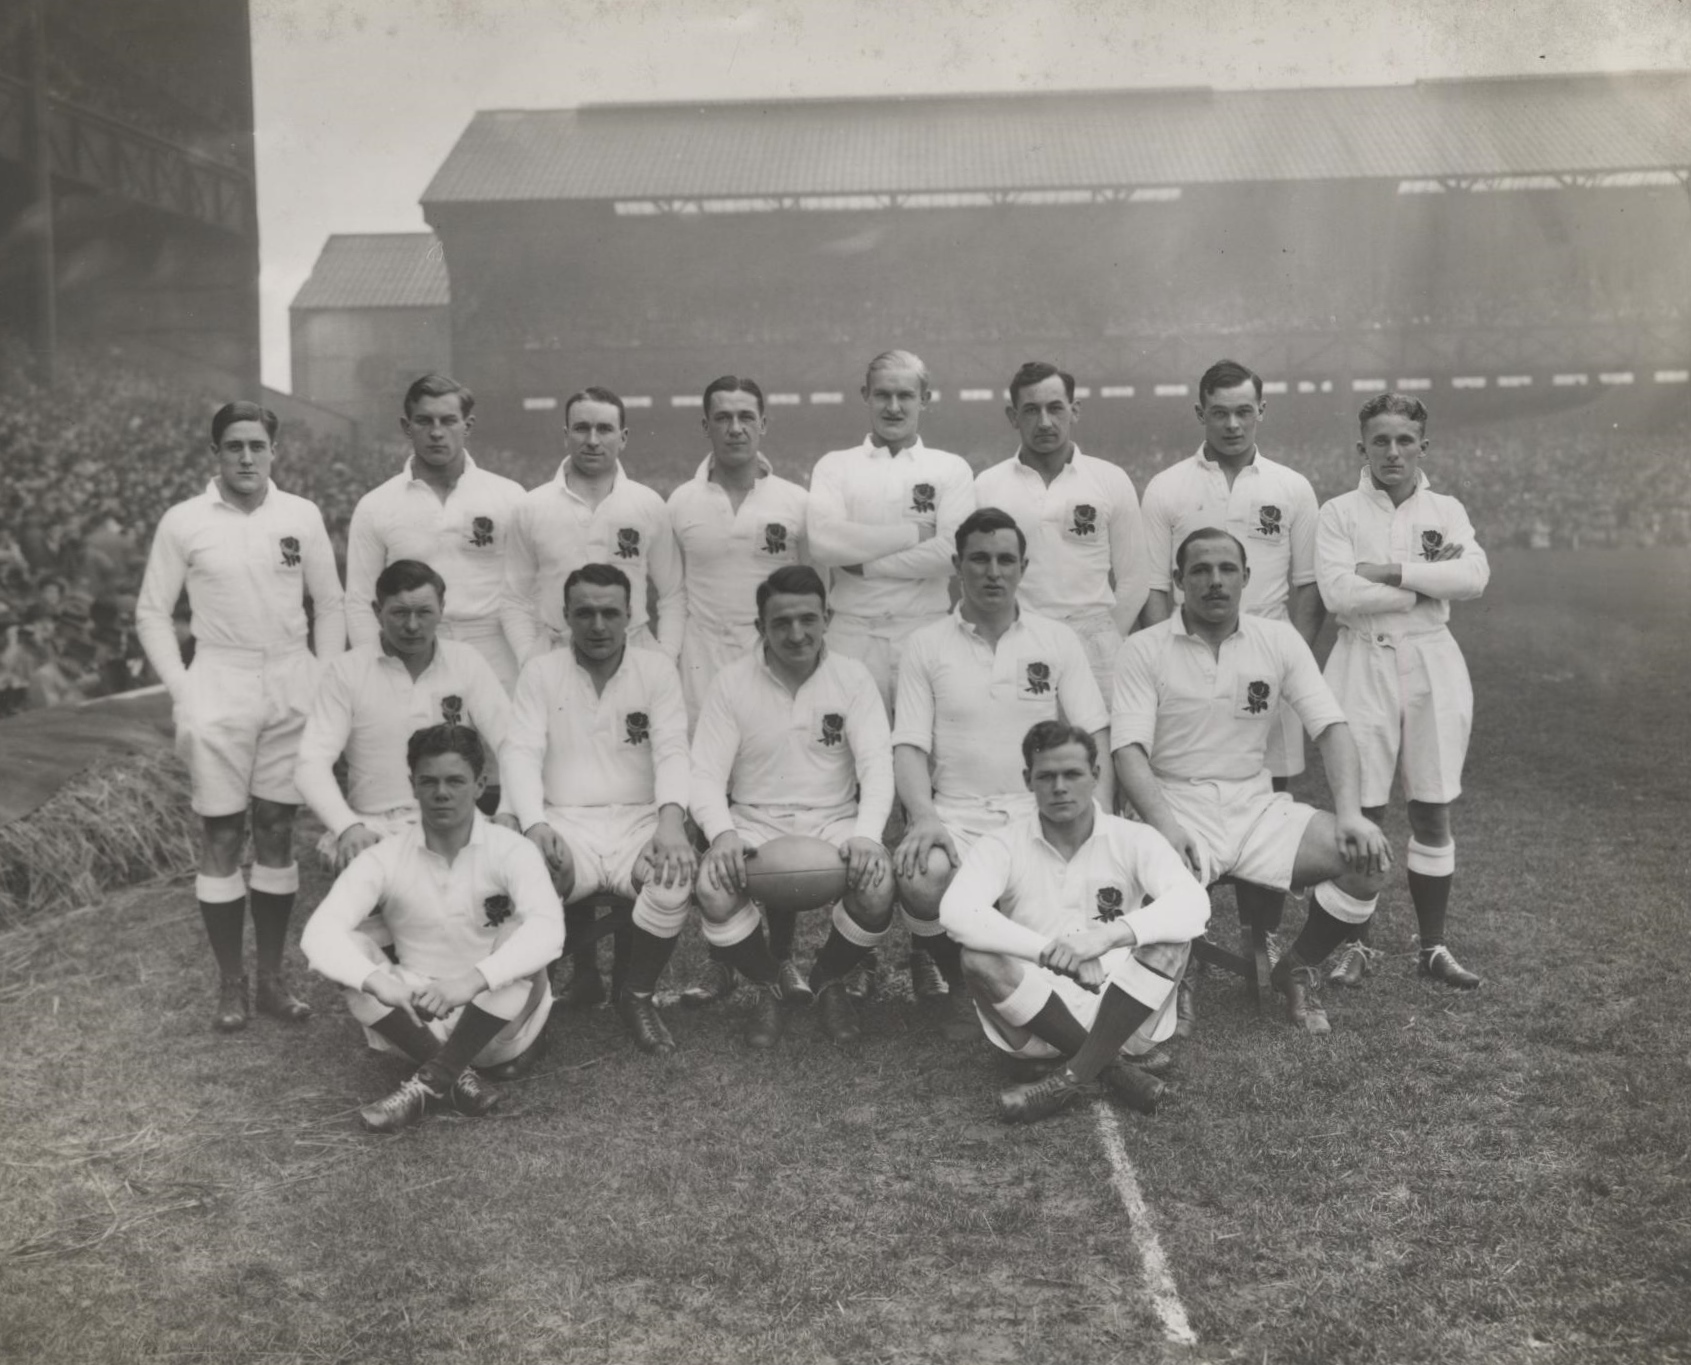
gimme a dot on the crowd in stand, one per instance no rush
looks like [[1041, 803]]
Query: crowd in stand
[[87, 469]]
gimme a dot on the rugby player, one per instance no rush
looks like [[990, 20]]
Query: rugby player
[[374, 697], [1086, 560], [967, 686], [1195, 702], [793, 740], [1064, 901], [596, 763], [883, 516], [590, 512], [249, 555], [1271, 508], [1392, 555], [474, 920], [446, 511], [735, 522]]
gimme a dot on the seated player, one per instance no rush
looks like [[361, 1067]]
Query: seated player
[[1058, 904], [474, 921], [967, 686], [1391, 557], [374, 697], [1195, 701], [793, 740], [596, 766]]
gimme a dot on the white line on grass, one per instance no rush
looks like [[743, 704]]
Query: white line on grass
[[1165, 1298]]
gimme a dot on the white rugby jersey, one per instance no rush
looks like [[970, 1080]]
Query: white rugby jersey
[[726, 553], [820, 749], [1362, 527], [1203, 718], [570, 745], [1125, 871], [1081, 528], [492, 908], [247, 575], [1271, 508], [461, 538], [368, 706], [867, 507], [968, 704], [554, 532]]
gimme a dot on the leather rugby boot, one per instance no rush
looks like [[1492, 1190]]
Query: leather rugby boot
[[1355, 961], [795, 990], [472, 1096], [231, 1016], [273, 998], [1132, 1085], [927, 982], [643, 1022], [584, 989], [763, 1029], [1302, 988], [1041, 1099], [398, 1111], [1441, 965], [839, 1014], [1185, 1013]]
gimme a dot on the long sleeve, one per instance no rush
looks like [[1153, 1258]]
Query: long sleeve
[[1077, 689], [327, 941], [672, 765], [517, 615], [954, 499], [326, 733], [969, 911], [1157, 522], [1128, 560], [161, 586], [1133, 707], [366, 557], [524, 748], [539, 936], [715, 742], [488, 706], [1346, 592], [871, 749], [1179, 908], [834, 538], [664, 569], [1304, 515], [1452, 580], [914, 705], [328, 602]]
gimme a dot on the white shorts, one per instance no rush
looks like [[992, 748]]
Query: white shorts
[[1169, 959], [384, 826], [968, 821], [1102, 642], [605, 845], [526, 1003], [1409, 699], [239, 716], [488, 640], [757, 825], [877, 643], [1284, 756], [705, 653], [1244, 829]]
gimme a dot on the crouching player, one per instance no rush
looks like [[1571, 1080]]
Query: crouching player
[[1391, 556], [1095, 917], [475, 922], [795, 736]]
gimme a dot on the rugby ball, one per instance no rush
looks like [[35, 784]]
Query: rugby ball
[[795, 872]]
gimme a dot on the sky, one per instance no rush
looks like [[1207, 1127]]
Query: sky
[[359, 101]]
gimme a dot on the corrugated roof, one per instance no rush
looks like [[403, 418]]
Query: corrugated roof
[[377, 270], [1517, 126]]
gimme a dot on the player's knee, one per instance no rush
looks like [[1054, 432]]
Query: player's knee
[[871, 907], [716, 904], [1429, 822], [922, 893], [995, 973]]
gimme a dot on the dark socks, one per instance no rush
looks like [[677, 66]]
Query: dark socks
[[579, 943], [1261, 905], [1056, 1026], [751, 958], [782, 927], [838, 956], [648, 955], [1321, 933], [1119, 1014], [947, 954], [413, 1039], [225, 926], [475, 1029], [1432, 899], [270, 912]]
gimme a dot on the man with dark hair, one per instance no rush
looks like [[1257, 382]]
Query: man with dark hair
[[966, 687], [1271, 509], [445, 510], [249, 555], [474, 920], [596, 765], [1086, 553], [376, 695], [793, 740], [591, 512], [1061, 903], [1195, 701], [1393, 555]]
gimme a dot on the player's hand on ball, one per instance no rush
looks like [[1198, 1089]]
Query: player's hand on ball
[[1363, 844], [921, 839], [867, 865], [725, 864], [550, 843], [443, 995], [352, 842], [385, 986]]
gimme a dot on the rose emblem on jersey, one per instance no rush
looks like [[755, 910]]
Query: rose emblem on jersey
[[628, 543], [833, 729], [1268, 519], [1431, 543], [1039, 678], [481, 532], [1085, 519], [922, 497], [639, 728], [452, 710], [290, 551], [498, 909], [775, 539], [1109, 903], [1256, 697]]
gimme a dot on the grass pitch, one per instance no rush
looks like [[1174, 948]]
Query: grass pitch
[[1501, 1176]]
